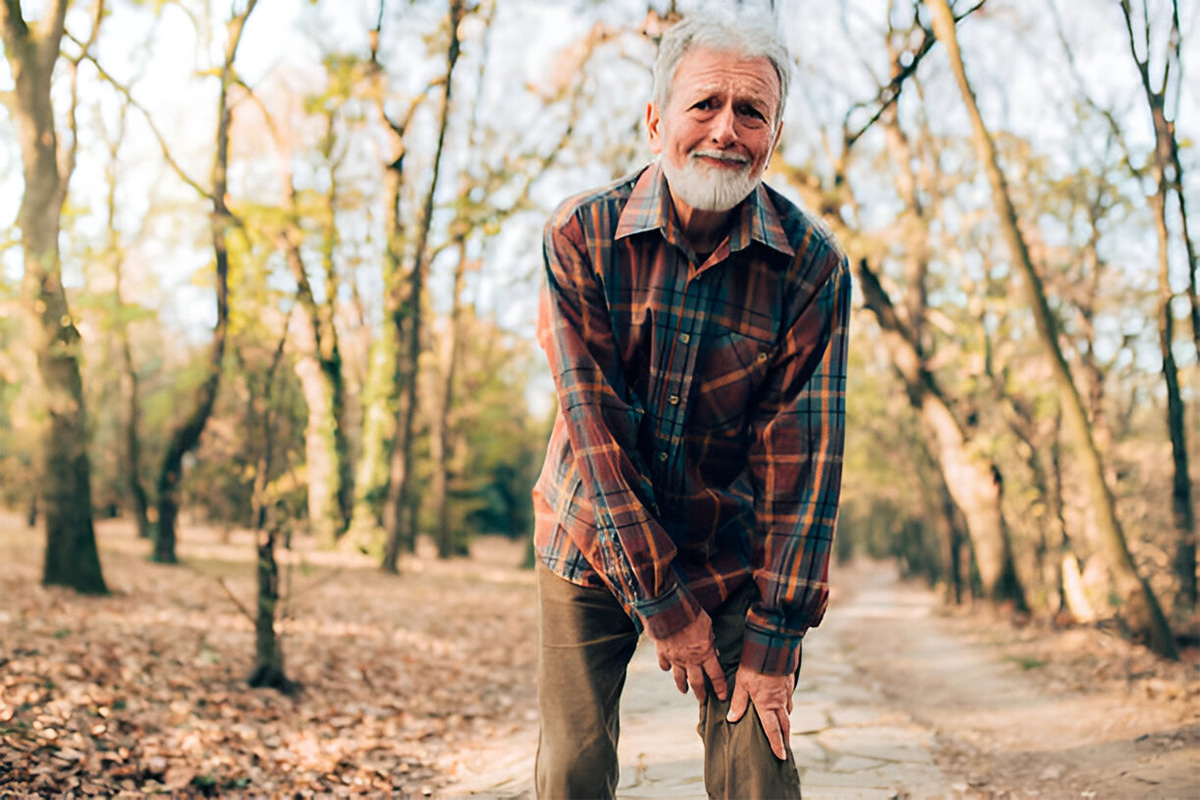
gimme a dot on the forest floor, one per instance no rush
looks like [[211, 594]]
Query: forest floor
[[422, 684]]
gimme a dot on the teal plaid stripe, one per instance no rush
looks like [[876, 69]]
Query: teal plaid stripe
[[701, 410]]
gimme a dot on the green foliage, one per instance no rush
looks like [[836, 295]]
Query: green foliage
[[499, 445]]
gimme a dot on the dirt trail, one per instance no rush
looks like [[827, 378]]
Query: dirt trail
[[899, 700], [1013, 723]]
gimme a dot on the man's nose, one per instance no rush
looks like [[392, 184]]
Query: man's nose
[[722, 129]]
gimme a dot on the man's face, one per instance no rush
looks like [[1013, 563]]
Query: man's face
[[718, 130]]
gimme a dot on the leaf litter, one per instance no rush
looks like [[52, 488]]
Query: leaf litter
[[143, 691]]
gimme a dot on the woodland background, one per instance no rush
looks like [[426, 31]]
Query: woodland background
[[274, 266]]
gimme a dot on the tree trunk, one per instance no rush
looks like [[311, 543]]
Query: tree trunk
[[1182, 513], [1144, 613], [440, 436], [331, 351], [187, 434], [974, 486], [268, 650], [950, 543], [400, 479], [71, 558], [972, 482], [132, 464], [133, 445], [384, 381], [315, 370], [319, 362], [1168, 174]]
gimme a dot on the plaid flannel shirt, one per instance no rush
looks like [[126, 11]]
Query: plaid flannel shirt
[[701, 410]]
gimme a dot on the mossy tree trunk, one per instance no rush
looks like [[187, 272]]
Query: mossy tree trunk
[[32, 50]]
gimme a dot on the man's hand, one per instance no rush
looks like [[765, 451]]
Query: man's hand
[[691, 654], [772, 696]]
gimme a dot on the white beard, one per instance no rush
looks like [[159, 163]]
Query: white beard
[[707, 188]]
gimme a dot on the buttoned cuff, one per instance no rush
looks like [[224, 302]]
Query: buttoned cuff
[[771, 644], [669, 613], [770, 652]]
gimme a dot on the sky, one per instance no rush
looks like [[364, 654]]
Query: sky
[[1017, 69]]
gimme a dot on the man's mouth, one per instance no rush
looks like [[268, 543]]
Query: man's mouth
[[715, 158]]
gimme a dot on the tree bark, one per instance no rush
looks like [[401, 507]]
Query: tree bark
[[1144, 614], [187, 434], [71, 557], [1168, 175], [130, 390], [971, 481], [133, 405], [440, 435], [319, 361], [400, 480], [331, 350], [385, 380], [268, 668], [313, 368]]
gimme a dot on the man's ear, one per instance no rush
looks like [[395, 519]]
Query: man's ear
[[652, 128]]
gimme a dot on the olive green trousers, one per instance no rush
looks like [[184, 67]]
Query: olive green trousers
[[585, 644]]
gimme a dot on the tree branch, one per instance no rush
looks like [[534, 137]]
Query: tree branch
[[67, 157], [85, 47], [48, 41], [162, 142], [241, 607], [889, 94], [13, 24]]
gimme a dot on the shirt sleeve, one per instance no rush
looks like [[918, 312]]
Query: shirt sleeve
[[628, 548], [795, 466]]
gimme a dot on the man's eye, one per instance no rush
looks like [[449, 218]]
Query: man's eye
[[704, 105], [753, 113]]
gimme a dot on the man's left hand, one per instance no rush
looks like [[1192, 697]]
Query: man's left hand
[[772, 697]]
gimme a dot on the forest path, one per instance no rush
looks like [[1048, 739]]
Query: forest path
[[898, 701]]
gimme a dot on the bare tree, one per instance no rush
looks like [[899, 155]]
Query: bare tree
[[131, 464], [32, 50], [1144, 613], [400, 475], [1168, 174], [971, 479], [186, 435]]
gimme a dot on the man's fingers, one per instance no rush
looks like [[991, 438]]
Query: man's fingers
[[663, 663], [680, 675], [771, 727], [695, 676], [737, 706], [712, 668]]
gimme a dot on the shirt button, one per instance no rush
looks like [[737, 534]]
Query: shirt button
[[762, 357], [685, 337], [673, 399], [662, 456]]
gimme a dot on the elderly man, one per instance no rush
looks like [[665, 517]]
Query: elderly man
[[695, 322]]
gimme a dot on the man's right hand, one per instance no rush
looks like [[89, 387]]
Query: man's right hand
[[690, 654]]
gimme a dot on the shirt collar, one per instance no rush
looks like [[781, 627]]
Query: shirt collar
[[649, 208]]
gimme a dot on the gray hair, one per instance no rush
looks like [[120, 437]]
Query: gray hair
[[749, 33]]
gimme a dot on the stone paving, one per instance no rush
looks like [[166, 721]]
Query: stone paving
[[848, 742]]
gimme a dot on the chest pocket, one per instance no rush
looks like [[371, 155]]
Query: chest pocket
[[733, 367]]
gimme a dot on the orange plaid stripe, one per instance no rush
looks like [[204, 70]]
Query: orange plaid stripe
[[701, 410]]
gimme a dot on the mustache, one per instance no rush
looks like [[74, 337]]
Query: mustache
[[733, 158]]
